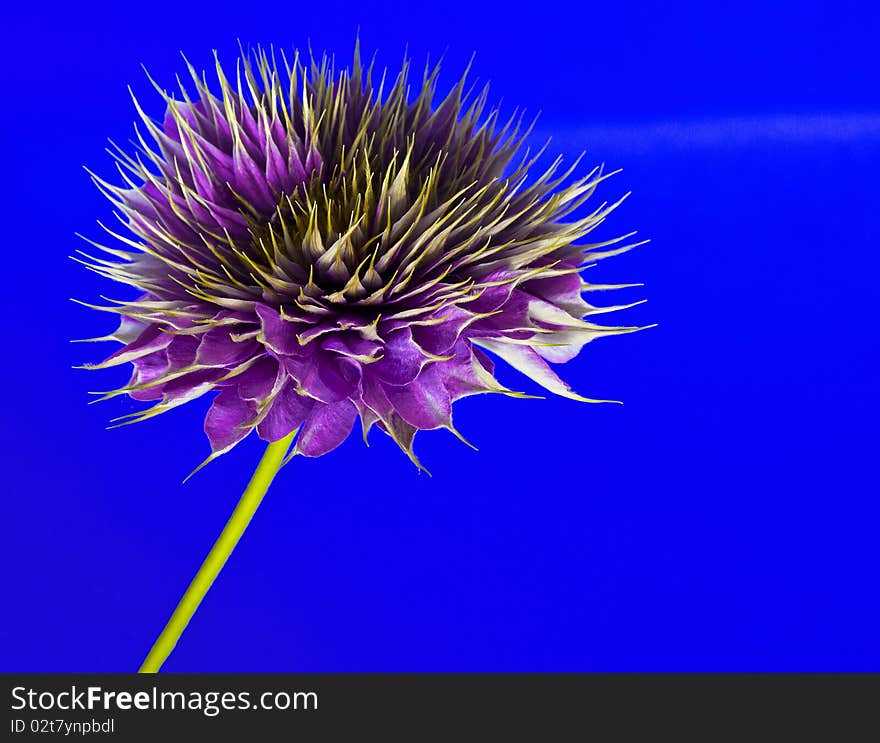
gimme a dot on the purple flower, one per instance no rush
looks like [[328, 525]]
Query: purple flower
[[317, 251]]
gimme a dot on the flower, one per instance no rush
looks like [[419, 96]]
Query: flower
[[317, 250]]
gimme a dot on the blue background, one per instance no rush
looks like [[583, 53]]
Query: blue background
[[725, 518]]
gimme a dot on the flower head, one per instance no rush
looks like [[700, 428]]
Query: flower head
[[317, 250]]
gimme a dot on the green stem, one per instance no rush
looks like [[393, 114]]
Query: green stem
[[216, 559]]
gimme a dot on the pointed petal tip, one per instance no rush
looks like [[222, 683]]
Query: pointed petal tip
[[581, 398], [455, 432], [208, 460]]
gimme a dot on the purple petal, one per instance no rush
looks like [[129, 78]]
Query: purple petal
[[526, 361], [218, 349], [188, 113], [256, 382], [289, 409], [149, 341], [438, 339], [513, 315], [324, 376], [377, 408], [326, 428], [278, 334], [352, 346], [563, 291], [182, 352], [403, 359], [317, 330], [493, 297], [469, 373], [250, 182], [227, 419], [425, 402], [146, 370], [181, 386]]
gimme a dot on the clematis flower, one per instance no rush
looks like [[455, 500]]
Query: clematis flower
[[315, 250]]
